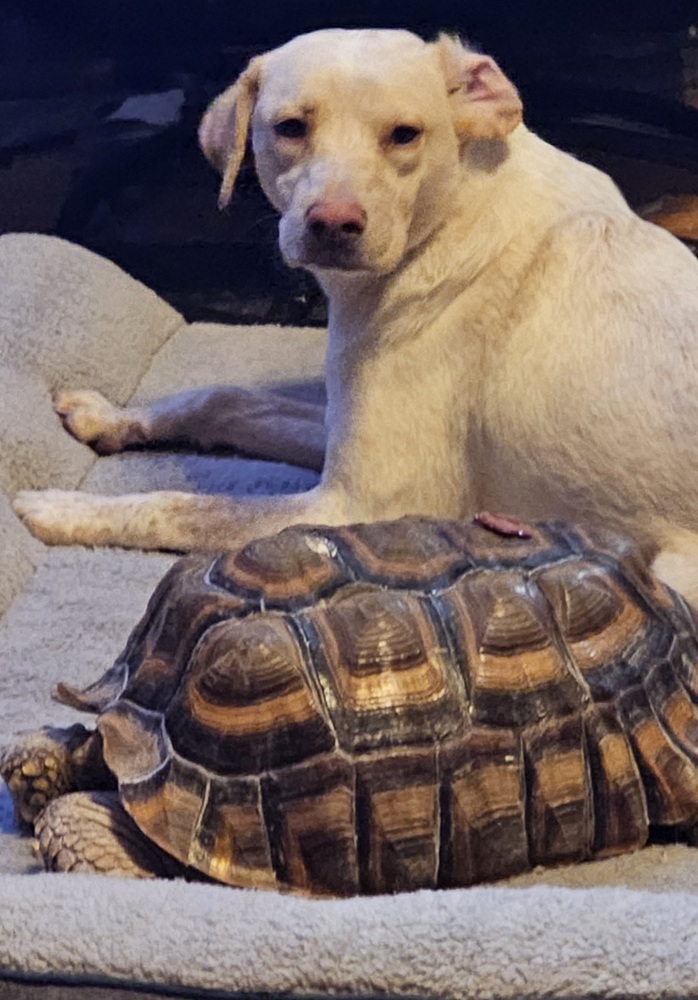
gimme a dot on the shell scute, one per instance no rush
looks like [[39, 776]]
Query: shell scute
[[247, 703], [310, 812], [516, 672], [167, 805], [483, 807], [620, 555], [684, 649], [560, 818], [384, 670], [621, 821], [673, 706], [290, 569], [543, 543], [231, 843], [182, 609], [416, 552], [609, 633], [398, 816], [669, 776]]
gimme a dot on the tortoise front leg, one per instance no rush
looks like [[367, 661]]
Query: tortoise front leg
[[92, 832], [40, 766]]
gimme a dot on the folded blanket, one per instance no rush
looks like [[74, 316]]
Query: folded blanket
[[626, 926]]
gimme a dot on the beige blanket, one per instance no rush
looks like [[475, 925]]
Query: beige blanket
[[626, 926]]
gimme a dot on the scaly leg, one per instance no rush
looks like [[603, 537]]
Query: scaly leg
[[40, 766], [92, 832]]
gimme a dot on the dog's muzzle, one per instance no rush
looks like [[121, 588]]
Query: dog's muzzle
[[333, 232]]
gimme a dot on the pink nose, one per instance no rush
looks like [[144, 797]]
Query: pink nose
[[336, 216]]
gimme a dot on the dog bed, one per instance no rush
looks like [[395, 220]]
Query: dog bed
[[626, 926]]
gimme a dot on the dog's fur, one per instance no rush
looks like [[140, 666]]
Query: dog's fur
[[504, 332]]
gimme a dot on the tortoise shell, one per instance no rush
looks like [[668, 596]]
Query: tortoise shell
[[410, 704]]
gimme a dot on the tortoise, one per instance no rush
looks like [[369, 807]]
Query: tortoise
[[377, 708]]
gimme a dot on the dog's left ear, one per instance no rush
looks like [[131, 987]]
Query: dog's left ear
[[224, 127], [485, 104]]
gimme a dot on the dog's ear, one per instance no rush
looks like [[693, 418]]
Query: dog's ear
[[485, 104], [224, 127]]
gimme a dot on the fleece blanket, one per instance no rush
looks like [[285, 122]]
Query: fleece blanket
[[626, 926]]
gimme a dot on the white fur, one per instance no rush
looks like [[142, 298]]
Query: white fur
[[510, 335]]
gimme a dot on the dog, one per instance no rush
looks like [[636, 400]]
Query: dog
[[504, 332]]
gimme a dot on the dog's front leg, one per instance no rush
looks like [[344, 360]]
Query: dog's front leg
[[253, 421], [172, 521]]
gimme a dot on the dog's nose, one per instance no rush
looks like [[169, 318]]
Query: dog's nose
[[335, 217]]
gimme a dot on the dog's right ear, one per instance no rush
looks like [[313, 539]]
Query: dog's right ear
[[224, 127], [484, 103]]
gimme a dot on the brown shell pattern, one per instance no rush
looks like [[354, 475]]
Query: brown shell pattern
[[410, 704]]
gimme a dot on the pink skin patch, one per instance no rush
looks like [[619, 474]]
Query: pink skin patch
[[507, 526]]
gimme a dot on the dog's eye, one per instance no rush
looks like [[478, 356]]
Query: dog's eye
[[291, 128], [403, 135]]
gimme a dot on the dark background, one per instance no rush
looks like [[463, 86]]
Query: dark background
[[613, 82]]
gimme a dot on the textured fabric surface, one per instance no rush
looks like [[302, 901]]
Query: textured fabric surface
[[484, 942], [67, 318], [626, 926], [74, 318]]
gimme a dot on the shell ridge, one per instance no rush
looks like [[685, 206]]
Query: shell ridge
[[652, 689], [589, 791], [558, 637], [340, 555], [353, 566], [618, 777], [631, 704], [349, 543], [307, 637], [452, 655], [613, 566], [559, 825], [447, 603], [168, 750], [442, 819], [527, 782], [685, 669], [191, 855], [272, 825], [80, 699], [148, 776]]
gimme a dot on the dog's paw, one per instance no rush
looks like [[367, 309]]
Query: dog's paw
[[57, 517], [93, 420]]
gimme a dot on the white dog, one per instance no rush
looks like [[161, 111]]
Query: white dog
[[504, 332]]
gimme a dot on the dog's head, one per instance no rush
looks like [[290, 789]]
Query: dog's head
[[358, 138]]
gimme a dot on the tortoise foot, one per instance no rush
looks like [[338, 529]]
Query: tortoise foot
[[92, 832], [40, 766]]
